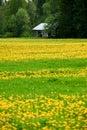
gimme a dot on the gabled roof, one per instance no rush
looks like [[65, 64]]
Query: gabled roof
[[41, 26]]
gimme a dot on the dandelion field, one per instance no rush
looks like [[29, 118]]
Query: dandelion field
[[43, 84]]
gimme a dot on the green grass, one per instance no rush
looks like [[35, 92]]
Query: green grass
[[32, 40], [44, 86], [42, 64]]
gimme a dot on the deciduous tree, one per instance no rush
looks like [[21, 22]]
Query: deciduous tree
[[22, 20]]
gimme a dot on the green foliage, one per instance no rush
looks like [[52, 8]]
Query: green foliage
[[2, 17], [14, 5], [0, 2], [19, 18], [80, 19], [51, 9], [22, 20], [66, 28], [11, 27], [31, 9], [65, 18], [39, 10]]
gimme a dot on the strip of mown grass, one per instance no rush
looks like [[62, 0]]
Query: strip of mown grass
[[42, 64], [44, 75], [44, 86]]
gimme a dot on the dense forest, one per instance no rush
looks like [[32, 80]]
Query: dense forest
[[65, 18]]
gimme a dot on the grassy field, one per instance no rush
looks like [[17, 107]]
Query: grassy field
[[43, 84]]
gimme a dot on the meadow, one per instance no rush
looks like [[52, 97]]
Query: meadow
[[43, 84]]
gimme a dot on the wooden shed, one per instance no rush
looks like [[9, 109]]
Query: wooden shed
[[40, 30]]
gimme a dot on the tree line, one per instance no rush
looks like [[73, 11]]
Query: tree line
[[65, 18]]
